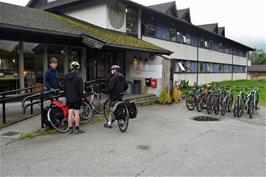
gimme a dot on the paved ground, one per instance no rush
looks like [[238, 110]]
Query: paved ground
[[162, 141]]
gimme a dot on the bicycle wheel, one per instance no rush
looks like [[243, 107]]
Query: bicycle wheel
[[106, 109], [241, 108], [85, 113], [123, 122], [98, 104], [216, 104], [251, 109], [57, 120], [209, 104], [224, 106], [236, 107], [257, 102], [190, 102], [199, 103], [230, 103]]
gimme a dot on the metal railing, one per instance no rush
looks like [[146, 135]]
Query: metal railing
[[14, 95]]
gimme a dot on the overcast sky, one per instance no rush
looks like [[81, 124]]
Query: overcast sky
[[244, 20]]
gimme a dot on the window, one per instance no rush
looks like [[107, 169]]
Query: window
[[149, 29], [163, 32], [194, 40], [188, 39], [221, 47], [210, 44], [194, 65], [208, 67], [216, 68], [173, 34], [132, 21], [179, 37], [221, 68], [201, 67], [184, 38], [226, 69], [177, 68], [230, 68], [188, 66]]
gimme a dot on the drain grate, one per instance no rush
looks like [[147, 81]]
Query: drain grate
[[205, 118], [10, 133]]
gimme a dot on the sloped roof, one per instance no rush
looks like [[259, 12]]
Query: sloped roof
[[257, 68], [165, 8], [28, 19], [221, 31], [184, 14], [210, 27]]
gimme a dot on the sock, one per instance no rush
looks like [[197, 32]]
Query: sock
[[109, 122], [77, 127], [70, 127]]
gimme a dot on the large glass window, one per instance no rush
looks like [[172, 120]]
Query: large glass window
[[173, 34], [149, 29], [163, 32], [209, 67], [201, 67], [132, 20]]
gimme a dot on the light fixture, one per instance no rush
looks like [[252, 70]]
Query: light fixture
[[14, 61], [126, 10]]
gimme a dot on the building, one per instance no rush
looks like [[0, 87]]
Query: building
[[157, 42], [257, 71]]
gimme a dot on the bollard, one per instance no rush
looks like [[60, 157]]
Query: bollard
[[4, 109], [42, 110], [31, 106]]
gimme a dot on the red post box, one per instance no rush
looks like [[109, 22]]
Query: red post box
[[154, 83]]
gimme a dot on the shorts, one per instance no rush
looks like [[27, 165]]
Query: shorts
[[113, 101], [75, 106]]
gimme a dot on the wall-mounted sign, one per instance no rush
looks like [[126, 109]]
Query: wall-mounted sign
[[146, 71]]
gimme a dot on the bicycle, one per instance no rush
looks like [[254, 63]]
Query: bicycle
[[193, 99], [239, 105], [95, 100], [227, 102], [119, 111]]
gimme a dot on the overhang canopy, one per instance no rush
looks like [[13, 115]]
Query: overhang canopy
[[14, 17]]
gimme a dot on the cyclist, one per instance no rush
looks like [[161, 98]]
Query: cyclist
[[51, 76], [117, 85], [73, 88]]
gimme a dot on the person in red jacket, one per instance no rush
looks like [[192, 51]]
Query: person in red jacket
[[74, 92]]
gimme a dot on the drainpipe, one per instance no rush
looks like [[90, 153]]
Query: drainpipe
[[232, 77], [21, 65], [197, 64]]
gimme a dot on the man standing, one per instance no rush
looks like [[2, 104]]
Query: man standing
[[73, 88], [117, 85], [51, 76]]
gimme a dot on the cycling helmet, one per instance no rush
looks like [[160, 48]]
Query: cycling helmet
[[116, 67], [74, 65], [53, 60]]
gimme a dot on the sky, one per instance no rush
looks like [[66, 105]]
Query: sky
[[244, 20]]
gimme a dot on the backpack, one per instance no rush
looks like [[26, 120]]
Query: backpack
[[132, 109]]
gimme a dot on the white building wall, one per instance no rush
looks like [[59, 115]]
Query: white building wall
[[240, 76], [94, 12], [239, 60], [147, 69], [214, 56], [181, 51]]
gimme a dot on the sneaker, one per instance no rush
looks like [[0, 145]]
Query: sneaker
[[107, 126], [70, 131], [79, 131]]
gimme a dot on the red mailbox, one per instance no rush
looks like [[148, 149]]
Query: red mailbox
[[154, 83]]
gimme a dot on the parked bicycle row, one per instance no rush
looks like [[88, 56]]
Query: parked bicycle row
[[214, 98]]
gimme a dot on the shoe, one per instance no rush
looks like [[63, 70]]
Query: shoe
[[107, 126], [79, 131], [70, 131]]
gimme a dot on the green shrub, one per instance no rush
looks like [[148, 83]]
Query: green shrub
[[165, 98]]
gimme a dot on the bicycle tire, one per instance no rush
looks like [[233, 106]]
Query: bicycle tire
[[241, 108], [105, 109], [236, 107], [209, 104], [85, 113], [190, 102], [123, 127], [216, 104], [59, 125], [98, 105], [230, 103], [199, 103], [224, 106], [251, 109]]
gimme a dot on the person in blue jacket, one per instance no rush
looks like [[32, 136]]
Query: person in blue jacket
[[51, 79]]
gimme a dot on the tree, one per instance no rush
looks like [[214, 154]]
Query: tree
[[258, 58]]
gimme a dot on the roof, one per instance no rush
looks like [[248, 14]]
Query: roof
[[17, 17], [221, 31], [153, 8], [184, 14], [210, 27], [165, 8], [257, 68]]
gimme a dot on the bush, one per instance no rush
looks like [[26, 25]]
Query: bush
[[165, 98]]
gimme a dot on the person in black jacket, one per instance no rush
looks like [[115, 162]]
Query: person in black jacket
[[117, 85], [73, 88], [51, 76]]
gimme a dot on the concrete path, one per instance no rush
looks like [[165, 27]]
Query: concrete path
[[162, 141]]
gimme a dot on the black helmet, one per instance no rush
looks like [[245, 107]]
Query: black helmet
[[116, 67], [53, 60]]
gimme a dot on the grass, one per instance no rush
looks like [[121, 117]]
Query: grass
[[2, 125], [261, 83], [41, 132]]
